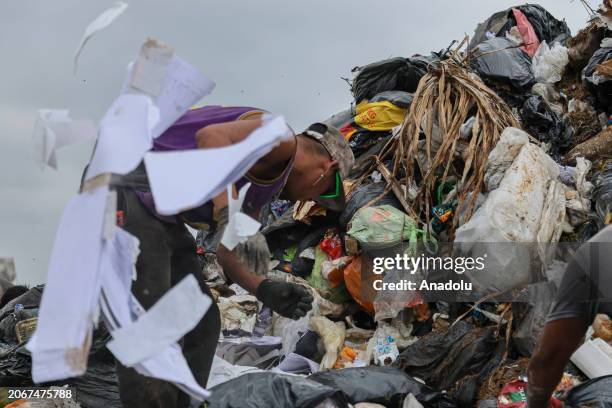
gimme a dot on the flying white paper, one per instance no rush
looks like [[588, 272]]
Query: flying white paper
[[150, 69], [54, 129], [179, 89], [124, 136], [120, 309], [166, 322], [101, 22], [61, 342], [187, 179], [240, 226]]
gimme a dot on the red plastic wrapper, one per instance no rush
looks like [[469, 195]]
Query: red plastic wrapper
[[331, 244]]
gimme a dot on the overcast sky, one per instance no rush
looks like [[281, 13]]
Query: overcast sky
[[283, 55]]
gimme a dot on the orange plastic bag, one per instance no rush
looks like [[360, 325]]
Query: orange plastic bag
[[353, 282]]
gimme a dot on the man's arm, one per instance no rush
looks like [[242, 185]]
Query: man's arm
[[559, 340], [287, 299], [226, 134]]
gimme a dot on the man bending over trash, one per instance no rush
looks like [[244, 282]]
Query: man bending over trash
[[308, 166], [584, 292]]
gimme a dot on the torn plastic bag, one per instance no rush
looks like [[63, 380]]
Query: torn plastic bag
[[374, 119], [498, 61], [395, 74], [530, 313], [598, 83], [333, 338], [268, 389], [443, 358], [595, 393], [383, 385], [549, 63], [545, 25], [363, 195], [529, 39], [539, 120], [511, 213], [502, 156]]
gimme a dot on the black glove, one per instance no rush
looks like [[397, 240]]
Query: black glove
[[287, 299]]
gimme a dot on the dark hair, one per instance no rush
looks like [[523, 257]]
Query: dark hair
[[12, 293]]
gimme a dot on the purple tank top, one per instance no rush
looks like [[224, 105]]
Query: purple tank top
[[181, 136]]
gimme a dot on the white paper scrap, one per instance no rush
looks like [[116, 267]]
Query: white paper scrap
[[124, 136], [101, 22], [151, 67], [187, 179], [61, 342], [54, 129], [120, 309], [182, 87], [166, 322], [240, 226]]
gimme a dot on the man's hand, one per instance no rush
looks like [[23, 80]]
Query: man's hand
[[287, 299]]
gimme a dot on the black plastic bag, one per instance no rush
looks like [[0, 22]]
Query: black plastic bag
[[545, 25], [595, 393], [442, 358], [395, 74], [382, 385], [267, 389], [362, 196], [499, 62], [598, 85], [540, 121], [15, 366]]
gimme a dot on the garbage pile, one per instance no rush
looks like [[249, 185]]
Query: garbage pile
[[501, 139]]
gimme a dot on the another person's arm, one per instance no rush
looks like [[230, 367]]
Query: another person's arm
[[559, 340]]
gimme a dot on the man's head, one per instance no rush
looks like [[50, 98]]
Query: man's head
[[323, 160]]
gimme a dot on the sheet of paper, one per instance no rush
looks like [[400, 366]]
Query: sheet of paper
[[181, 88], [171, 366], [186, 179], [151, 67], [101, 22], [297, 364], [124, 136], [240, 226], [54, 129], [120, 309], [60, 344], [166, 322]]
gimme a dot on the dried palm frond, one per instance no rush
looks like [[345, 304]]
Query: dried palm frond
[[447, 97], [444, 100]]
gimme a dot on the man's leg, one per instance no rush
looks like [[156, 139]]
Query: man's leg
[[152, 282], [199, 344]]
